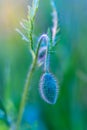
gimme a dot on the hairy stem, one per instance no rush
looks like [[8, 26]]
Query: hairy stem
[[27, 84], [30, 35], [25, 93], [31, 39], [47, 58]]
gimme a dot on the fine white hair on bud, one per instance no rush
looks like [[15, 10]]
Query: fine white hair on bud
[[43, 40], [42, 55], [44, 37], [49, 88]]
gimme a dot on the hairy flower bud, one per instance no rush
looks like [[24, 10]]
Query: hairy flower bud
[[48, 88], [42, 55]]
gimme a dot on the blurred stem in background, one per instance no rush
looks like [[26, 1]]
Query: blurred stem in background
[[7, 82]]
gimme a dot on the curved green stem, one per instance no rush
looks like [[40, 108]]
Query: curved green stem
[[25, 93], [27, 84], [47, 58], [30, 35]]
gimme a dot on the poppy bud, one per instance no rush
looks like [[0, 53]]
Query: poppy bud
[[48, 88]]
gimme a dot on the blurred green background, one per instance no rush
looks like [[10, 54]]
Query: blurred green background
[[68, 63]]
